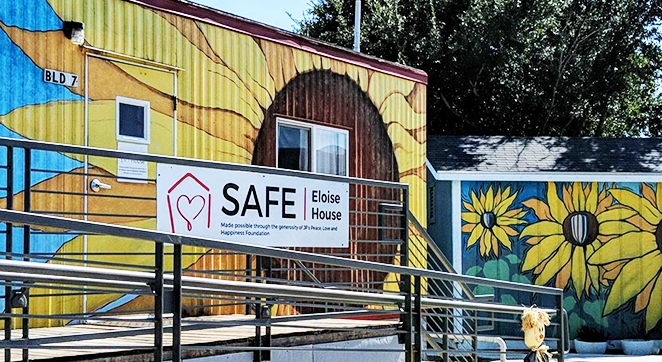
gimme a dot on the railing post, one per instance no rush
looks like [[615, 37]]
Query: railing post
[[27, 201], [474, 333], [561, 329], [9, 243], [266, 314], [408, 318], [418, 321], [158, 302], [257, 353], [444, 341], [177, 303]]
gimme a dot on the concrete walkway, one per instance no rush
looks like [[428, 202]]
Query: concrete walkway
[[574, 357]]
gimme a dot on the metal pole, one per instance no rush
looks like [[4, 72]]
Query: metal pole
[[474, 334], [177, 305], [444, 342], [357, 26], [561, 328], [266, 314], [25, 324], [418, 321], [257, 354], [9, 238], [408, 318], [158, 303]]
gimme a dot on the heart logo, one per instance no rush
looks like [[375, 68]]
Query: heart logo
[[190, 208]]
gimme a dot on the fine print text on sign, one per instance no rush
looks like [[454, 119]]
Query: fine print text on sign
[[259, 209], [61, 78]]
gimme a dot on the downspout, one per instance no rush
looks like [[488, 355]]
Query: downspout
[[357, 27]]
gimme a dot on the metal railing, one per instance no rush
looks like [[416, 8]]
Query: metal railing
[[277, 290]]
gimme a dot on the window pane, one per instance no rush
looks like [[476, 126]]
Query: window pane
[[293, 148], [331, 152], [132, 120]]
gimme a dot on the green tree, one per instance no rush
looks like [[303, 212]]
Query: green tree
[[516, 67]]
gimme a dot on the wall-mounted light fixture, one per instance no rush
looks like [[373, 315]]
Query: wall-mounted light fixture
[[75, 31]]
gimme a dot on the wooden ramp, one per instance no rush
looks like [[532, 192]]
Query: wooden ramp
[[113, 341]]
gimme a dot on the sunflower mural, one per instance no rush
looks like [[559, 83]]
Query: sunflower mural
[[600, 242], [633, 260], [489, 220], [571, 227]]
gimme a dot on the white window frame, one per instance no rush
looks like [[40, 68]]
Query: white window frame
[[134, 102], [312, 128]]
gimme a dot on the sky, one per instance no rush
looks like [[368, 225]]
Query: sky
[[271, 12]]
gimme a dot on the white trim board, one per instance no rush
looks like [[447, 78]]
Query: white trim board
[[544, 176]]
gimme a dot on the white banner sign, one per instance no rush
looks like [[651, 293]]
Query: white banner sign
[[248, 207]]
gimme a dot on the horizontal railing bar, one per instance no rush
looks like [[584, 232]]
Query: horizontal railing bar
[[53, 212], [101, 152], [19, 217], [94, 195], [62, 274]]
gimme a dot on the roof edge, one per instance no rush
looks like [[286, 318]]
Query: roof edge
[[250, 27]]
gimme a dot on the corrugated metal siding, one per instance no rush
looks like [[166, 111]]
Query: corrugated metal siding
[[229, 82]]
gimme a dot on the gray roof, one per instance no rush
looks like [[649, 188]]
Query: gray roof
[[558, 154]]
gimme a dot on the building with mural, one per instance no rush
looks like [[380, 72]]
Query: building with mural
[[169, 77], [582, 214]]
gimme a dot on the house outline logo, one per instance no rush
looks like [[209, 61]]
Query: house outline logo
[[189, 199]]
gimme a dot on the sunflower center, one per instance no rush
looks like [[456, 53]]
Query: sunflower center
[[580, 228], [658, 236], [488, 220]]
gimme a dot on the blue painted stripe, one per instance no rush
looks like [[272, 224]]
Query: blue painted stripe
[[33, 15], [22, 83]]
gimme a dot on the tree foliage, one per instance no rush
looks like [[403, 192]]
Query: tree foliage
[[516, 67]]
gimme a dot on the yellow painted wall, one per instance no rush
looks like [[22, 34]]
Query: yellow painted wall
[[226, 82]]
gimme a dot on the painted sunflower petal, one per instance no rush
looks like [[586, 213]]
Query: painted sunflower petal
[[471, 217], [509, 221], [578, 271], [592, 198], [539, 208], [468, 206], [509, 230], [627, 246], [505, 204], [645, 208], [557, 263], [644, 297], [495, 244], [632, 279], [513, 213], [481, 243], [567, 199], [475, 235], [467, 228], [654, 313], [616, 214], [502, 237], [542, 228], [556, 206], [476, 203], [489, 199], [594, 276], [616, 228], [541, 251], [578, 197], [648, 193], [658, 196], [563, 276], [497, 197]]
